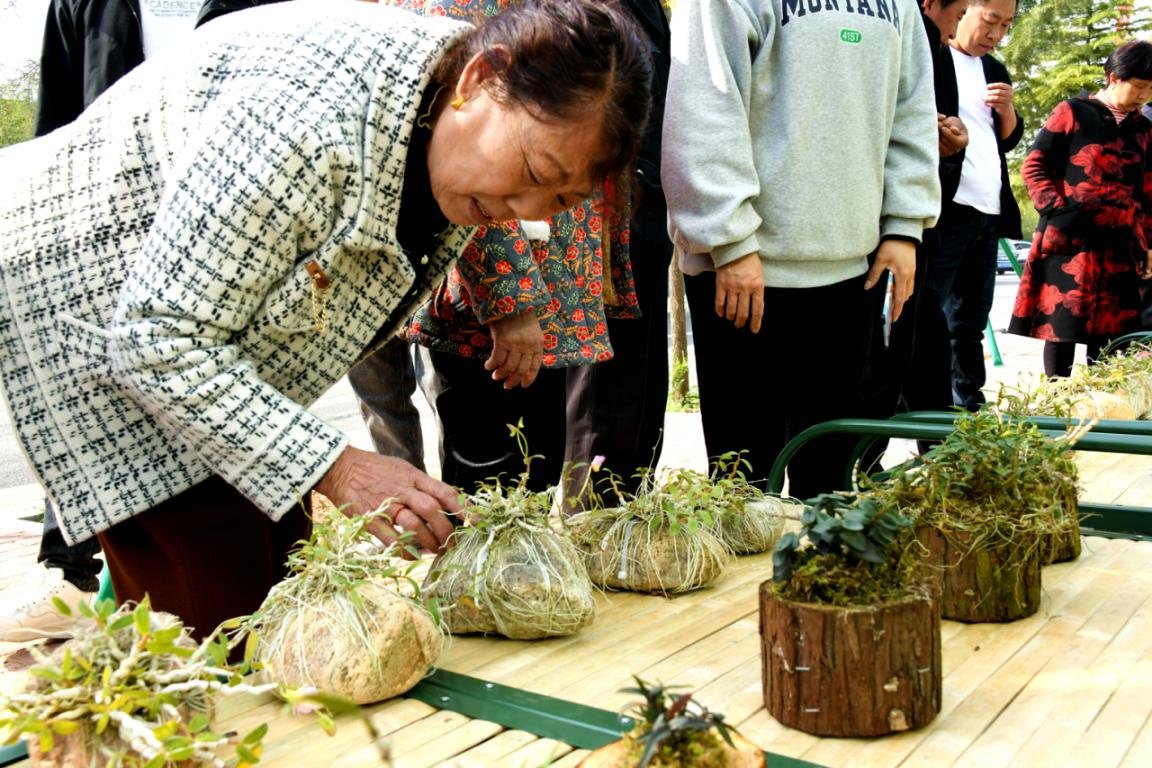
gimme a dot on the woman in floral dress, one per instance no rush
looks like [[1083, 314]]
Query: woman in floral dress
[[1087, 175]]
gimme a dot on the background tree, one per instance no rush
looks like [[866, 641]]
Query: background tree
[[1056, 50], [18, 104]]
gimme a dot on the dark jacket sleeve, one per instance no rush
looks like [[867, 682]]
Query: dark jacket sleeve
[[1009, 220], [649, 14], [948, 104], [61, 79], [213, 8], [1044, 165], [88, 46]]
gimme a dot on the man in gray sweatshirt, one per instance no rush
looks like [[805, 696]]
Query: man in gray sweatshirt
[[800, 155]]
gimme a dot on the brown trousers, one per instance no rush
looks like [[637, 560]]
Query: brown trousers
[[205, 555]]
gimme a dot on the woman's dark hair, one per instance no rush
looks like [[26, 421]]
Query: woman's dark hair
[[564, 59], [1131, 60]]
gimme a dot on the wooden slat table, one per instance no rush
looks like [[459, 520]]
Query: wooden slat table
[[1071, 685]]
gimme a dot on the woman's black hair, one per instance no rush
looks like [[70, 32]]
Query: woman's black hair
[[564, 59], [1131, 60]]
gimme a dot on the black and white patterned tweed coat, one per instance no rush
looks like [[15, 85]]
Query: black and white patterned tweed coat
[[158, 320]]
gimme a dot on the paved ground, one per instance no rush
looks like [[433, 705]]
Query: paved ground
[[20, 499]]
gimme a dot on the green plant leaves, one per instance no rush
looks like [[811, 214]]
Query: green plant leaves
[[854, 528], [667, 722]]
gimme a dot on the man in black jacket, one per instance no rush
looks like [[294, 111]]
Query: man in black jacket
[[982, 208]]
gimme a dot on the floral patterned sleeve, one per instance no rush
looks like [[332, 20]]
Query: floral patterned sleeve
[[1043, 167], [500, 273]]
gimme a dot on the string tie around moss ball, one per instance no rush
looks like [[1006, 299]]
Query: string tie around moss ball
[[623, 572]]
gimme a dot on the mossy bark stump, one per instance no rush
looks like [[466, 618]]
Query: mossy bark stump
[[851, 671], [982, 584]]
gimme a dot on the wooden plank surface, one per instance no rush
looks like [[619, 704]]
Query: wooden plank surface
[[1071, 685]]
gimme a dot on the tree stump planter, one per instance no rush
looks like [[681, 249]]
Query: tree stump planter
[[978, 583], [851, 671]]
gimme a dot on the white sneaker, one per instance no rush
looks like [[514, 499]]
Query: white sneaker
[[28, 613]]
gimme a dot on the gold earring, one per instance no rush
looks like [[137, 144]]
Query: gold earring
[[457, 102]]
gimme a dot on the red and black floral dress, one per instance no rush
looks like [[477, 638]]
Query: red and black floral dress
[[1087, 176]]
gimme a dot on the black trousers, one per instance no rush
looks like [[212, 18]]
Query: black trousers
[[964, 273], [78, 561], [473, 413], [615, 409], [809, 363], [925, 380]]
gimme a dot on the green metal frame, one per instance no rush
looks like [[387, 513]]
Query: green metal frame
[[579, 725], [1122, 341], [1011, 254], [997, 359], [1111, 436], [576, 724], [13, 753]]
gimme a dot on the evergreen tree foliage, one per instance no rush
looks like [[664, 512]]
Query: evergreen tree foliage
[[1056, 49]]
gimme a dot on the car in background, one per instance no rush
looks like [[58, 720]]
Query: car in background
[[1020, 250]]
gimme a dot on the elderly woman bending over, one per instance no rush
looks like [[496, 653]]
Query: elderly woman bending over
[[221, 237]]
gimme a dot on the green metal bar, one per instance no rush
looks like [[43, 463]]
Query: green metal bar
[[1104, 426], [1122, 341], [886, 428], [996, 359], [576, 724], [1131, 522], [106, 591], [579, 725], [1115, 519], [13, 753], [1011, 254]]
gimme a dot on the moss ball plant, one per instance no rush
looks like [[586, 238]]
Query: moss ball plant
[[507, 571], [350, 619], [660, 539]]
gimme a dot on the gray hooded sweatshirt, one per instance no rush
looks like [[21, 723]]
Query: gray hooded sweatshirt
[[804, 130]]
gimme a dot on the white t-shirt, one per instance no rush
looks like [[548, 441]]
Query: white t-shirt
[[980, 175], [165, 22]]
